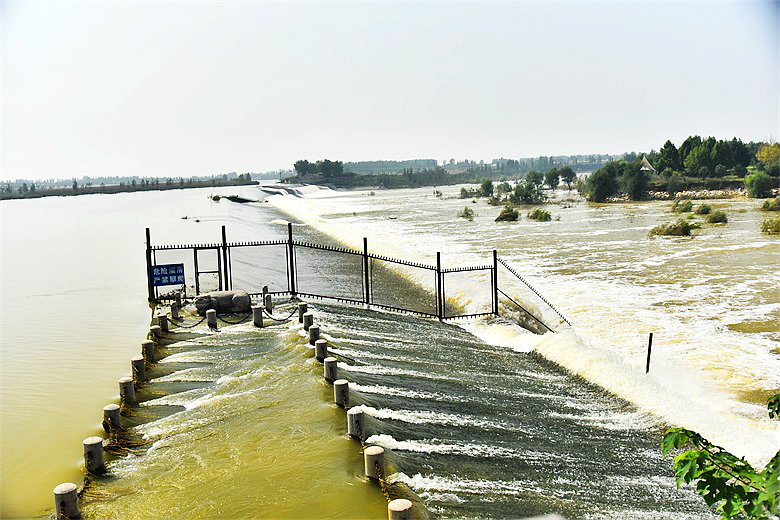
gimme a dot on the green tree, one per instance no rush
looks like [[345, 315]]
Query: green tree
[[698, 158], [529, 190], [603, 183], [552, 178], [668, 157], [675, 184], [486, 188], [758, 185], [721, 155], [687, 147], [740, 153], [303, 167], [567, 176], [769, 155], [634, 181]]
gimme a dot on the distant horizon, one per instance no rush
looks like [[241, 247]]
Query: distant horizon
[[127, 89]]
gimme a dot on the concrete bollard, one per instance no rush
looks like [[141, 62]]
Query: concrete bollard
[[308, 320], [257, 315], [175, 306], [314, 334], [126, 390], [331, 370], [356, 426], [269, 303], [156, 333], [399, 509], [374, 457], [139, 369], [111, 419], [320, 349], [147, 349], [303, 307], [341, 392], [162, 321], [211, 318], [66, 501], [93, 455]]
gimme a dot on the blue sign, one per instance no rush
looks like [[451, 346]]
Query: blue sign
[[168, 274]]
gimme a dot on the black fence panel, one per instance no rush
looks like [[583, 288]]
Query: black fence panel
[[253, 266], [402, 286], [317, 277], [327, 272], [467, 292]]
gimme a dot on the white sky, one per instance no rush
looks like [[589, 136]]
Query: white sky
[[194, 88]]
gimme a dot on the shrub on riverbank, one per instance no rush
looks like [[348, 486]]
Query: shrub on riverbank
[[771, 204], [508, 215], [717, 217], [758, 185], [771, 226], [539, 215], [681, 228], [682, 206], [703, 209]]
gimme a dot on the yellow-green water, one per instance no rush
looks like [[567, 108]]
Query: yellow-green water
[[74, 313]]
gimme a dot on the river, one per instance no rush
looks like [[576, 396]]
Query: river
[[73, 313]]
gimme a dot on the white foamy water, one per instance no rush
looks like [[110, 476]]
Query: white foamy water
[[712, 302]]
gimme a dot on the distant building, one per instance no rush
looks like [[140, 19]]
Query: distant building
[[646, 166]]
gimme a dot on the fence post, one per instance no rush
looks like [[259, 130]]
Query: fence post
[[225, 272], [439, 288], [494, 282], [291, 255], [366, 277], [149, 284], [649, 349]]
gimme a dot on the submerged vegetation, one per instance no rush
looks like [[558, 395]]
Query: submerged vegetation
[[681, 228], [682, 206], [539, 215], [717, 217], [508, 215], [467, 213], [771, 226], [771, 204]]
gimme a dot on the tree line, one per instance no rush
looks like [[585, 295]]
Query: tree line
[[21, 190], [701, 163]]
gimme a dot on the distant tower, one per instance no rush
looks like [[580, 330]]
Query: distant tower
[[646, 166]]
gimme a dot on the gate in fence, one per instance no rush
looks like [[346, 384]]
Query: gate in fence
[[296, 268]]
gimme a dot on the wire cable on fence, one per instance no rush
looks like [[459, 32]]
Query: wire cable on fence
[[550, 305]]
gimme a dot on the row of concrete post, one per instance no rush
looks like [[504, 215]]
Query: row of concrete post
[[66, 494], [373, 456]]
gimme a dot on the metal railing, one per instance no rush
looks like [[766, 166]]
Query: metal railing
[[361, 279]]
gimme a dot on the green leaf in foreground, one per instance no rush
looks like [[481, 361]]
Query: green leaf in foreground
[[726, 482]]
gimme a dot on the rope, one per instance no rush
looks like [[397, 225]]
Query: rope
[[235, 322], [270, 317], [171, 322]]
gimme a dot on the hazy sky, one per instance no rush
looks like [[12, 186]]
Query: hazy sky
[[195, 88]]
